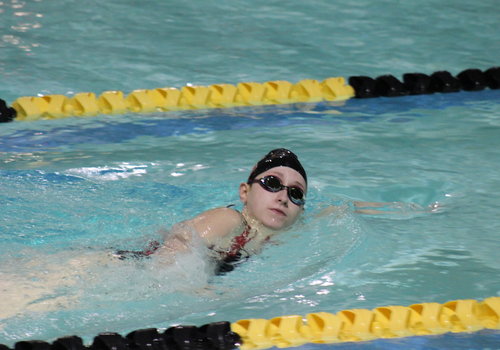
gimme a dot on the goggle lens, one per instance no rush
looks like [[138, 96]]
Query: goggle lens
[[273, 184]]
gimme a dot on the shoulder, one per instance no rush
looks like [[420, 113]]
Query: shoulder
[[217, 223], [228, 215], [226, 212]]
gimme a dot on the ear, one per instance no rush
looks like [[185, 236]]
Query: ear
[[244, 188]]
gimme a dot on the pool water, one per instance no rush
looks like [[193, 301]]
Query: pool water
[[69, 192], [72, 190], [64, 47]]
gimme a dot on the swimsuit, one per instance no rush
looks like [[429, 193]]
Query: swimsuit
[[228, 260]]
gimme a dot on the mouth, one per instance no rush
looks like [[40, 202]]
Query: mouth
[[278, 211]]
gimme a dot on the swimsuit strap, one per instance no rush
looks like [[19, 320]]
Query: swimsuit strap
[[239, 242], [233, 257]]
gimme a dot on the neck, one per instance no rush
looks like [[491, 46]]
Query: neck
[[256, 225]]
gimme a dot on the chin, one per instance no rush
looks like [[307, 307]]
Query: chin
[[276, 225]]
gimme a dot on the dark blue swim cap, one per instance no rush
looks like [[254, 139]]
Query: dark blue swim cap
[[275, 158]]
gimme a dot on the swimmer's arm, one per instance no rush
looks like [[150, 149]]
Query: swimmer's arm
[[372, 208], [211, 226], [377, 208], [216, 224], [359, 207]]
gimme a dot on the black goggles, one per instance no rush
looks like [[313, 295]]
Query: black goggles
[[273, 184]]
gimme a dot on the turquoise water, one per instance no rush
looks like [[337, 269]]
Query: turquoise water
[[76, 188], [73, 46]]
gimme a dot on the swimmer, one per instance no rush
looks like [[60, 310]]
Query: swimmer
[[273, 198]]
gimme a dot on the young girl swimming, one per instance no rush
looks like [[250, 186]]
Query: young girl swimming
[[273, 198]]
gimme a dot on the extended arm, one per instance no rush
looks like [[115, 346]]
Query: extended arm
[[378, 208]]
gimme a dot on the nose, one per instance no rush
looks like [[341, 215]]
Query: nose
[[282, 196]]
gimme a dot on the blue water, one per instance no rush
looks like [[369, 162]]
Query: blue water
[[109, 182], [74, 187], [73, 46]]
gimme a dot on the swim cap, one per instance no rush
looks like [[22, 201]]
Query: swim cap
[[275, 158]]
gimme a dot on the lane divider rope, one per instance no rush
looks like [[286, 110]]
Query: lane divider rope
[[86, 104], [291, 331]]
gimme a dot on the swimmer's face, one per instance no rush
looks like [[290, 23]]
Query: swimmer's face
[[274, 210]]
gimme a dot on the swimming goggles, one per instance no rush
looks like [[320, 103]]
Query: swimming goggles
[[273, 184]]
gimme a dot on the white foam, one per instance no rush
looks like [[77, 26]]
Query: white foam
[[110, 173], [85, 279]]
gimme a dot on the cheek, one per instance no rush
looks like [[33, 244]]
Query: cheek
[[259, 197], [295, 214], [256, 202]]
